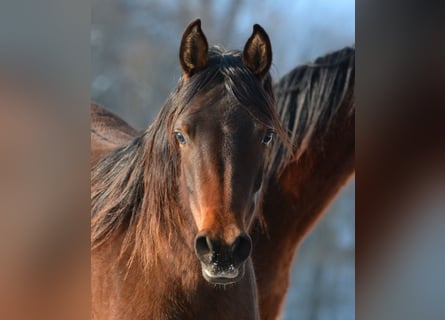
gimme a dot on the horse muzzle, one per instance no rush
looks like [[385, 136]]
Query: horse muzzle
[[222, 263], [216, 275]]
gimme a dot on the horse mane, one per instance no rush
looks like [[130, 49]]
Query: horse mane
[[309, 99], [134, 190]]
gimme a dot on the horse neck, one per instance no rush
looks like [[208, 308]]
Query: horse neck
[[312, 180], [294, 202], [308, 184], [165, 275], [135, 292], [317, 105]]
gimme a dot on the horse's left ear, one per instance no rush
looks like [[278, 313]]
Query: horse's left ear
[[257, 53], [194, 49]]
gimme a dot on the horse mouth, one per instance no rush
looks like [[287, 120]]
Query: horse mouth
[[227, 275]]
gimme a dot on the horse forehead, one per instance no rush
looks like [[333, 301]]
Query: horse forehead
[[220, 116]]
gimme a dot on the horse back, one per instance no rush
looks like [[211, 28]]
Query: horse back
[[108, 132]]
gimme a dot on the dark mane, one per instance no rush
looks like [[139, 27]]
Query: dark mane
[[308, 99], [134, 189]]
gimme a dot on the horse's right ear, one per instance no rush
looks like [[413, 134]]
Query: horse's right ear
[[194, 49]]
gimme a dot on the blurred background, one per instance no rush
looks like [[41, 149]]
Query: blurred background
[[134, 66]]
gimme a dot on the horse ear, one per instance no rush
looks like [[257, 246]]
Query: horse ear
[[257, 53], [194, 49]]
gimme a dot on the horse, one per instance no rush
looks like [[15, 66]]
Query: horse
[[172, 207], [316, 102], [316, 106]]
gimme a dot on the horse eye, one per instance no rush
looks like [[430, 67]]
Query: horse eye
[[267, 138], [180, 137]]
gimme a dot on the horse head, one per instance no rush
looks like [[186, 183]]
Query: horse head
[[222, 137]]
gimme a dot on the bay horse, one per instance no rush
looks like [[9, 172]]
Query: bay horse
[[316, 106], [172, 208], [316, 103]]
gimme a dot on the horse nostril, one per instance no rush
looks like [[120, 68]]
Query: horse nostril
[[203, 246], [210, 250], [241, 248]]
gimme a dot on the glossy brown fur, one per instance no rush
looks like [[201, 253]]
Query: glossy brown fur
[[322, 162], [151, 195]]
